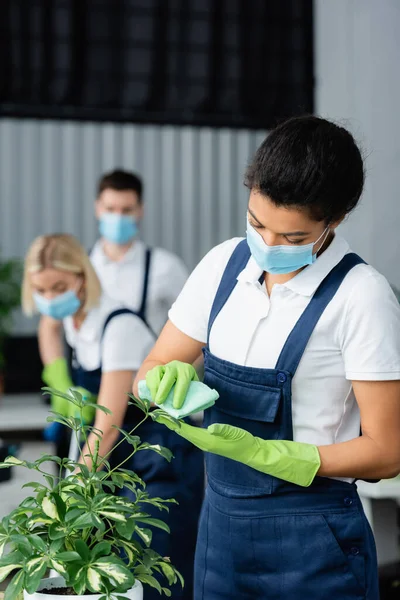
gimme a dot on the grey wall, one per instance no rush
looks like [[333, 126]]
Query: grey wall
[[193, 182], [357, 52]]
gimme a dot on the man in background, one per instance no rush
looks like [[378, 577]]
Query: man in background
[[143, 279]]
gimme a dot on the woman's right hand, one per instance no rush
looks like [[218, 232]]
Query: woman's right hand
[[162, 378]]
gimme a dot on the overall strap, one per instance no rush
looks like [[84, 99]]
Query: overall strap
[[235, 266], [117, 313], [143, 304], [299, 337]]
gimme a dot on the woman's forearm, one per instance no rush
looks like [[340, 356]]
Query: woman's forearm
[[50, 340], [361, 458]]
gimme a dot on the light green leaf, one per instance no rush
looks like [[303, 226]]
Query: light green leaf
[[49, 508], [5, 570], [115, 570], [164, 452], [112, 515], [145, 534], [94, 580], [15, 586], [168, 572], [57, 566]]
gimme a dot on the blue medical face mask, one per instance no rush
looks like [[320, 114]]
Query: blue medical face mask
[[281, 259], [118, 229], [60, 307]]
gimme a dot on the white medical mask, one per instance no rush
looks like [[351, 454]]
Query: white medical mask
[[281, 259]]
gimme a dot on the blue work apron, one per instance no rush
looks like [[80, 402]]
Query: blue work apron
[[181, 479], [260, 537]]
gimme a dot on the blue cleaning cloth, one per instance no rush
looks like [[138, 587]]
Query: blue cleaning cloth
[[199, 397]]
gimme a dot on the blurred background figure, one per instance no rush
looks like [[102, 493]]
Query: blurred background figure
[[181, 94], [61, 285], [147, 280]]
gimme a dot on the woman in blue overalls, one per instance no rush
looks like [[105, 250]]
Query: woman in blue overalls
[[61, 284], [301, 342]]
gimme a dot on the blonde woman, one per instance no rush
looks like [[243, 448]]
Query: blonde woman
[[61, 284]]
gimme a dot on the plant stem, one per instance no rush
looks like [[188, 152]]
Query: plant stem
[[120, 442]]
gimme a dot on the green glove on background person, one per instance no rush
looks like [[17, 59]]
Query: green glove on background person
[[160, 380], [295, 462], [56, 375]]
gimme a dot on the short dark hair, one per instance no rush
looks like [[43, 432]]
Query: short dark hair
[[311, 163], [120, 180]]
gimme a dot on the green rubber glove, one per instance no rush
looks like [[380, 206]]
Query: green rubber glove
[[88, 413], [56, 375], [291, 461], [162, 378]]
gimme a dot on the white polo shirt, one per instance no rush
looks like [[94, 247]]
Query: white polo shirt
[[117, 351], [356, 338], [123, 280]]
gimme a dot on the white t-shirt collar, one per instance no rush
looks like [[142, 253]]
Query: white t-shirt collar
[[102, 259], [308, 280]]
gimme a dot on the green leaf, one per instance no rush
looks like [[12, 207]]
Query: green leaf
[[104, 409], [164, 452], [69, 556], [134, 440], [37, 542], [84, 521], [150, 580], [143, 405], [101, 549], [159, 412], [15, 586], [155, 523], [73, 513], [22, 544], [56, 531], [126, 529], [82, 549]]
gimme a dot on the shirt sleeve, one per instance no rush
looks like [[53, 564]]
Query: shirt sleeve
[[126, 343], [370, 333], [191, 311]]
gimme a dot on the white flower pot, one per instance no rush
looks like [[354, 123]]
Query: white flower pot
[[135, 593]]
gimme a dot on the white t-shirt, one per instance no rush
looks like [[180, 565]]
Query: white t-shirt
[[118, 350], [123, 280], [356, 338]]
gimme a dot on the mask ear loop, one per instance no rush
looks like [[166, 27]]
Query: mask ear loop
[[326, 231]]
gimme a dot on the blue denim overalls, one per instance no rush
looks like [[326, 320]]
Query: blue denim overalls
[[260, 537], [181, 479]]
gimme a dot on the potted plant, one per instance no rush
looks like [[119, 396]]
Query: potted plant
[[10, 299], [97, 542]]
